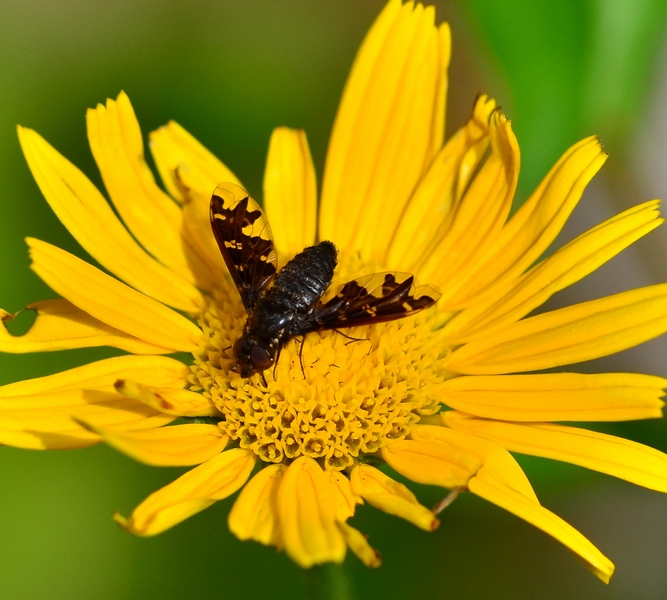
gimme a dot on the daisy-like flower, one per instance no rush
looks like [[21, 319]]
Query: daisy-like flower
[[442, 397]]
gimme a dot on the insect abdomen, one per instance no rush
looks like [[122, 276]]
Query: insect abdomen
[[305, 278]]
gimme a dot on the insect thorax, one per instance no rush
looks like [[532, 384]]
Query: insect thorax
[[296, 289]]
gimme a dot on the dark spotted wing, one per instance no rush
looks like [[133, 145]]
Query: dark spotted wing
[[372, 299], [245, 241]]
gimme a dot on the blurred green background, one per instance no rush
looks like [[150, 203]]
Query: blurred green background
[[229, 72]]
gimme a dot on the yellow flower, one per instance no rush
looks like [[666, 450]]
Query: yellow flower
[[393, 197]]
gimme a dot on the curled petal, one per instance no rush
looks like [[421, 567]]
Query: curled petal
[[307, 509], [190, 493], [434, 202], [357, 542], [391, 496], [190, 173], [177, 151], [479, 218], [535, 225]]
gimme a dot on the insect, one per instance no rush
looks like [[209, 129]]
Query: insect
[[288, 303]]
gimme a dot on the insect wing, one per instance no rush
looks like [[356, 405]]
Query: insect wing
[[373, 299], [245, 241]]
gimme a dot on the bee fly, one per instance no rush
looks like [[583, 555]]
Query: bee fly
[[288, 303]]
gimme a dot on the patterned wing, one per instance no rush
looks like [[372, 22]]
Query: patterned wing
[[245, 241], [372, 299]]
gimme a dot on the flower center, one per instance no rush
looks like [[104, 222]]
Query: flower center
[[330, 397]]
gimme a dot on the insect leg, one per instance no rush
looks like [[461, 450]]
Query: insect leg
[[349, 337], [303, 341], [275, 364]]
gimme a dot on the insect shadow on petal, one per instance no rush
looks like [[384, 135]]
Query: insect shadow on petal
[[288, 303]]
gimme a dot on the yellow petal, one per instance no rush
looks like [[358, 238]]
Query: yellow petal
[[487, 486], [36, 413], [563, 268], [480, 217], [431, 463], [111, 301], [558, 396], [190, 493], [191, 174], [60, 325], [307, 509], [568, 335], [528, 234], [89, 218], [358, 544], [254, 515], [149, 370], [152, 216], [444, 54], [346, 499], [178, 154], [387, 129], [391, 496], [433, 204], [290, 190], [174, 446], [169, 400], [493, 456], [61, 440], [197, 230], [609, 454], [46, 421]]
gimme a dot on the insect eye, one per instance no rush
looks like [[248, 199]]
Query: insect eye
[[260, 357]]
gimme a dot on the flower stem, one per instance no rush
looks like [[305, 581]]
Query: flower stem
[[328, 581]]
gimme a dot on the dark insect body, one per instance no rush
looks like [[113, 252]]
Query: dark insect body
[[282, 305]]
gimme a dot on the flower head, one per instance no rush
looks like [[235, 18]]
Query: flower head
[[441, 397]]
